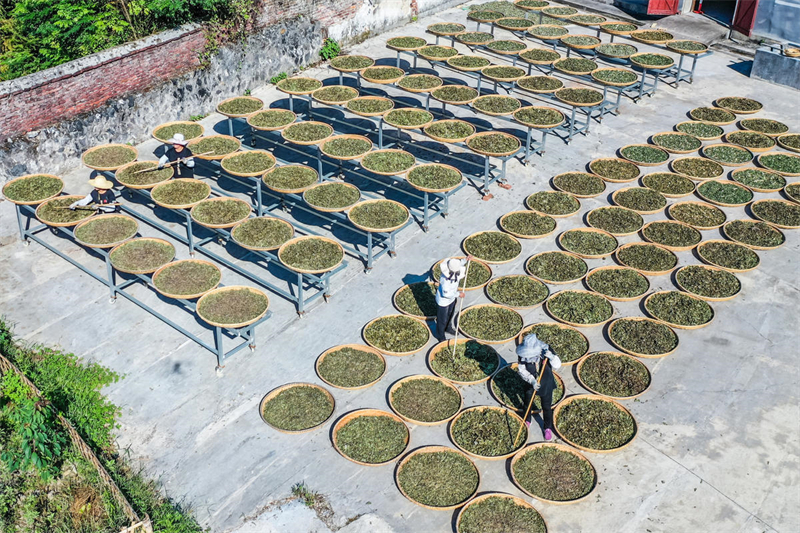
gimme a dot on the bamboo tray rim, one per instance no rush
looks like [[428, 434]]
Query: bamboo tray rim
[[743, 126], [105, 217], [289, 191], [372, 114], [405, 48], [484, 264], [576, 324], [559, 325], [645, 145], [699, 247], [693, 121], [377, 230], [522, 235], [271, 128], [515, 366], [467, 69], [34, 202], [424, 89], [484, 341], [560, 447], [109, 145], [673, 150], [540, 91], [696, 178], [477, 499], [228, 289], [785, 146], [134, 186], [277, 390], [534, 306], [583, 384], [774, 200], [576, 195], [399, 290], [464, 246], [340, 69], [435, 449], [670, 195], [637, 354], [444, 33], [713, 122], [493, 408], [180, 262], [261, 248], [784, 174], [702, 204], [140, 239], [384, 151], [684, 248], [551, 282], [339, 137], [295, 240], [307, 143], [754, 151], [427, 189], [539, 126], [437, 349], [615, 267], [707, 298], [646, 272], [757, 189], [238, 115], [215, 157], [641, 212], [352, 91], [397, 384], [352, 415], [173, 123], [618, 159], [729, 145], [595, 397], [299, 93], [493, 154], [673, 324], [330, 183], [615, 234], [590, 229], [397, 354], [359, 347], [699, 193], [225, 224], [62, 224]]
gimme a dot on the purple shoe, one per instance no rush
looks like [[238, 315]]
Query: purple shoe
[[527, 423], [548, 435]]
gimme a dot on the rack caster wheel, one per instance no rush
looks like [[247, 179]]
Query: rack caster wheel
[[326, 297], [218, 370], [392, 254], [112, 300], [252, 347], [26, 242]]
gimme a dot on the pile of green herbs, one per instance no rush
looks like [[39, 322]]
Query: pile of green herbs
[[142, 255], [620, 26], [490, 323], [658, 36], [307, 132], [382, 73], [494, 246], [408, 117], [484, 15], [446, 28], [580, 183], [351, 62], [417, 299], [351, 368], [580, 40], [618, 282], [393, 161], [425, 399], [560, 11], [379, 215], [614, 169], [777, 212], [469, 62], [592, 20], [506, 46], [397, 334], [730, 154], [262, 232], [487, 432], [406, 42], [568, 344], [652, 60], [672, 234], [513, 391], [793, 191], [514, 23], [540, 83], [185, 278], [111, 156], [675, 307], [725, 192], [219, 211], [233, 306], [218, 145], [615, 220], [575, 65], [553, 203], [496, 104], [739, 104], [764, 125], [729, 255], [760, 179], [474, 37], [240, 106], [553, 474], [640, 199], [297, 408], [699, 215], [335, 94], [782, 163], [271, 118], [503, 73], [438, 479], [577, 307], [290, 178], [420, 82], [500, 514], [55, 211], [312, 254], [614, 75], [517, 291], [39, 187], [751, 139], [370, 104], [437, 52], [539, 116], [531, 3], [349, 147], [189, 130], [450, 129], [647, 257], [494, 143], [106, 230], [595, 424], [559, 267], [478, 275], [679, 142], [614, 375], [587, 242], [527, 223], [790, 140], [619, 50], [701, 130], [471, 361], [547, 32], [249, 162], [372, 439], [686, 46], [712, 114], [643, 336], [434, 177], [707, 282], [698, 168], [300, 85], [668, 183], [540, 54], [645, 154]]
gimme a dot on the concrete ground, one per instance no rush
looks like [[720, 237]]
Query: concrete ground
[[719, 428]]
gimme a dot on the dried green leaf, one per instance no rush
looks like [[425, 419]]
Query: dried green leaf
[[614, 375], [567, 343], [438, 479], [313, 254], [425, 399], [493, 246], [489, 432], [517, 291], [372, 439], [397, 334], [647, 257], [643, 336], [618, 282], [351, 368], [559, 267], [298, 408], [707, 282], [106, 230], [490, 323]]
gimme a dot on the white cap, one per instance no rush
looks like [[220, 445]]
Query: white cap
[[452, 265], [178, 138]]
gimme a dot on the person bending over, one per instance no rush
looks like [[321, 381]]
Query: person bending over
[[532, 354]]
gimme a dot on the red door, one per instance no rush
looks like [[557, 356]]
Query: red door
[[663, 7], [745, 16]]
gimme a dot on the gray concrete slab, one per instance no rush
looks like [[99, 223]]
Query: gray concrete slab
[[719, 431]]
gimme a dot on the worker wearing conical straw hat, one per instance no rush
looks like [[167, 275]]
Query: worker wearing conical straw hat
[[532, 354], [453, 271], [102, 196], [178, 153]]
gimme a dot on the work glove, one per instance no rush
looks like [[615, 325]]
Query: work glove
[[73, 205], [536, 385], [549, 354]]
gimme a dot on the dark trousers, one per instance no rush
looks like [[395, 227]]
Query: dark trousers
[[545, 394], [444, 315]]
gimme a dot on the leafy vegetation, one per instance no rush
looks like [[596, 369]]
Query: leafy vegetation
[[698, 215], [527, 223], [759, 179], [553, 474], [105, 231], [434, 177], [506, 46], [496, 104], [686, 46], [450, 129], [558, 267], [331, 195], [669, 184], [647, 257], [500, 514], [33, 188], [56, 211], [778, 212], [517, 291], [539, 117], [675, 307], [644, 154], [408, 117], [263, 233], [567, 343], [372, 439], [312, 254], [615, 220], [580, 183], [397, 334], [272, 118], [643, 336], [388, 161], [352, 62], [595, 424], [250, 162], [417, 299], [575, 65], [142, 255], [425, 399], [787, 164], [470, 361], [241, 105], [438, 478], [727, 154], [222, 211], [406, 43], [697, 168], [110, 156], [297, 408], [544, 84], [512, 391], [614, 375], [346, 147], [588, 242], [713, 115], [494, 143], [618, 282], [579, 307], [708, 282], [651, 60], [379, 215], [492, 246], [724, 192], [187, 278], [553, 203], [671, 234], [349, 367], [619, 50], [764, 125], [751, 139], [677, 142], [640, 199], [132, 174], [420, 82], [728, 255], [290, 178], [490, 323], [488, 432], [468, 62], [614, 169]]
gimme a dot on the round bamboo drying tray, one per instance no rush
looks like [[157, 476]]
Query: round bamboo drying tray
[[444, 33], [404, 48], [528, 8], [383, 151], [187, 296], [460, 38], [445, 140], [646, 272], [504, 80], [102, 146], [484, 341], [613, 298], [520, 235], [429, 57], [434, 449], [637, 36], [465, 69], [348, 70], [560, 447], [239, 115], [352, 91], [695, 178], [226, 289], [783, 144], [576, 324], [484, 264], [580, 46], [226, 224], [437, 349], [344, 158], [134, 186], [577, 104], [648, 212], [707, 298], [635, 60], [182, 206], [299, 93], [274, 392], [247, 174], [367, 412], [375, 114], [672, 150], [518, 501], [398, 291], [514, 366], [534, 306], [382, 81], [683, 51], [210, 157], [397, 354], [491, 154], [752, 150], [617, 398], [540, 126], [637, 354], [74, 198], [522, 333], [671, 324], [556, 187], [538, 61], [699, 249], [271, 128], [701, 138], [304, 237], [309, 143], [261, 248], [624, 33], [775, 224], [550, 282], [288, 191], [426, 189], [694, 202], [670, 195], [754, 189], [453, 102], [786, 174], [492, 113], [725, 163], [500, 24], [35, 202], [558, 16], [360, 347], [596, 209], [420, 91], [140, 239], [640, 164], [671, 248], [542, 91], [104, 217], [589, 230], [613, 83], [378, 230], [463, 246], [789, 196], [618, 405], [548, 38], [738, 111], [175, 123], [407, 379], [412, 127], [492, 408], [717, 202]]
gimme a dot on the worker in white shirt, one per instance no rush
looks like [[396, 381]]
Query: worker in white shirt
[[102, 196], [178, 154], [453, 271], [532, 354]]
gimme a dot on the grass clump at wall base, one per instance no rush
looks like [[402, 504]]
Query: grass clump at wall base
[[469, 62], [554, 474], [299, 85], [351, 62], [500, 514], [739, 104], [614, 375], [187, 278], [240, 106], [575, 65], [346, 147], [312, 254], [307, 132], [450, 129], [615, 220], [397, 334], [652, 60], [539, 116], [434, 177], [110, 156], [613, 75], [506, 46], [764, 125], [189, 131], [494, 143], [641, 199], [540, 54], [372, 439], [756, 178], [566, 343], [527, 223], [708, 283], [142, 255], [614, 169], [249, 162], [298, 408], [618, 282], [382, 73], [478, 275], [487, 432], [394, 161], [220, 211], [471, 361], [699, 215], [595, 424], [712, 114], [425, 400], [369, 105], [417, 299], [577, 307], [53, 211], [701, 130], [754, 233], [408, 117], [511, 390], [586, 242], [106, 230], [181, 192], [620, 50], [778, 212], [34, 188], [553, 203], [445, 28], [493, 246], [406, 42], [782, 163], [438, 478], [132, 175], [351, 368], [677, 142], [559, 267], [668, 183], [646, 337], [420, 82], [437, 52], [335, 94], [728, 255], [490, 323], [675, 307], [540, 83], [496, 104], [672, 234], [455, 94], [233, 306], [645, 154], [728, 154], [290, 177], [272, 118], [547, 32], [751, 139], [698, 168], [647, 257], [580, 183], [474, 37], [262, 232], [517, 291], [726, 193], [379, 215], [218, 146], [686, 46]]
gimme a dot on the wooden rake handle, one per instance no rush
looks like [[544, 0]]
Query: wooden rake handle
[[530, 403]]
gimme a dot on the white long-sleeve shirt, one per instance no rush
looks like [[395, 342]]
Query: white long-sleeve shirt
[[448, 288], [88, 199]]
